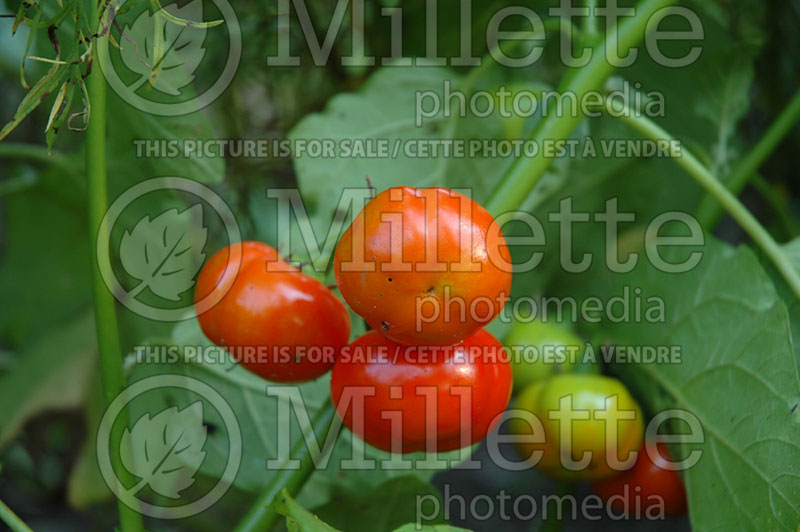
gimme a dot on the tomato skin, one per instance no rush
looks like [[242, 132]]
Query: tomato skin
[[589, 393], [396, 374], [277, 309], [536, 338], [401, 242], [647, 479]]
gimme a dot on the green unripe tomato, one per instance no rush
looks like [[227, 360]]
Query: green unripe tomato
[[539, 350], [579, 415]]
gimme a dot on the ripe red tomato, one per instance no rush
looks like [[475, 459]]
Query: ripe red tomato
[[444, 397], [653, 483], [282, 325], [424, 266]]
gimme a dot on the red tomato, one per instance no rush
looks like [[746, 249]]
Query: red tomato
[[445, 397], [424, 266], [653, 483], [282, 325]]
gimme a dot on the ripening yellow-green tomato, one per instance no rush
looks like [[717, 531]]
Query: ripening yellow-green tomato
[[539, 350], [590, 425]]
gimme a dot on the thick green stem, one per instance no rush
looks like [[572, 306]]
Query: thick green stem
[[12, 520], [714, 186], [710, 210], [524, 174], [112, 375], [261, 518]]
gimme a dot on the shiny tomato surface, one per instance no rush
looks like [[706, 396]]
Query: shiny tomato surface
[[282, 325], [424, 266], [439, 398]]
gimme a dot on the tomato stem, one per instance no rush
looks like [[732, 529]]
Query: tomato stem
[[13, 521], [525, 173], [710, 210], [108, 344], [261, 517], [718, 191]]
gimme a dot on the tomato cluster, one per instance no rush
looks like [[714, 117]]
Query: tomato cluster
[[426, 269], [416, 264]]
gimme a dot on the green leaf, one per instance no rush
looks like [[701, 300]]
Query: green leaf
[[792, 250], [298, 519], [129, 161], [383, 111], [40, 90], [388, 506], [59, 113], [45, 264], [53, 373], [738, 374]]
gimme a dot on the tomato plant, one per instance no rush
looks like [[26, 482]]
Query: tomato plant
[[182, 186], [280, 324]]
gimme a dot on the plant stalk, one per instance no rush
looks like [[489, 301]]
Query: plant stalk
[[525, 173], [717, 190], [710, 210], [108, 344], [261, 517], [11, 519]]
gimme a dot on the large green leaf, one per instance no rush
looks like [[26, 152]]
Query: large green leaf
[[384, 111], [738, 374]]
